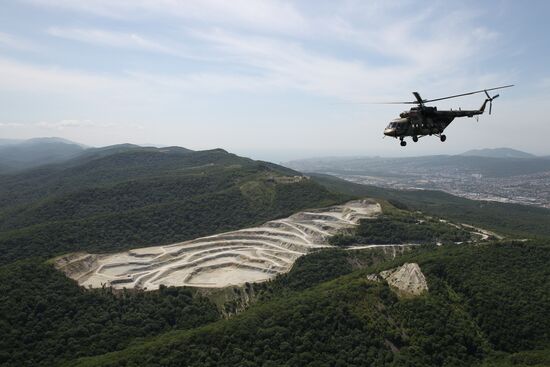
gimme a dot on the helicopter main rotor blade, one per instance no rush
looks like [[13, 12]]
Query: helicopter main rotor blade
[[409, 102], [467, 94], [422, 101]]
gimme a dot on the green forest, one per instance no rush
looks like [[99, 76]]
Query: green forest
[[487, 303], [48, 318], [142, 198], [399, 227]]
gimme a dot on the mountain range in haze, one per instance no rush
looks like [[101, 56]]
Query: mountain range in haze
[[498, 153], [17, 155]]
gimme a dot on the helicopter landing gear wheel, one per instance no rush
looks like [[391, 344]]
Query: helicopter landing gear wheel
[[403, 143], [415, 139], [442, 138]]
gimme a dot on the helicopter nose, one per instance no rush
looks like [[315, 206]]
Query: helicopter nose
[[389, 131]]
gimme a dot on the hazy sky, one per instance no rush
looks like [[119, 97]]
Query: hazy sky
[[271, 79]]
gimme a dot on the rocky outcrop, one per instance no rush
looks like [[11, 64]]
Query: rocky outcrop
[[407, 279]]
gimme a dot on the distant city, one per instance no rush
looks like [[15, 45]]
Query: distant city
[[525, 189], [503, 174]]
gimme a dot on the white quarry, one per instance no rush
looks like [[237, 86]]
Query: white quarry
[[232, 258]]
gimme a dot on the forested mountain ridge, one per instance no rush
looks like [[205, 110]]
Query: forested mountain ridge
[[137, 196], [467, 318]]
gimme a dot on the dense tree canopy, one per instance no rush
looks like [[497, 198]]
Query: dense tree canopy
[[46, 317], [468, 314], [487, 303], [402, 229], [142, 198]]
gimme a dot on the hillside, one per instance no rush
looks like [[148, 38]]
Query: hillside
[[464, 319], [20, 155], [130, 196]]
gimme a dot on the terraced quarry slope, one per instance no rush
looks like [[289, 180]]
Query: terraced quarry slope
[[248, 255]]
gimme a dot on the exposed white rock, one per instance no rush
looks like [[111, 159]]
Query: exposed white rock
[[248, 255], [408, 279]]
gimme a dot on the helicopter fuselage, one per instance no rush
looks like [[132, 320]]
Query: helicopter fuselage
[[422, 121]]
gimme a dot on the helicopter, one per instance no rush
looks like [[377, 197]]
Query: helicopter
[[423, 120]]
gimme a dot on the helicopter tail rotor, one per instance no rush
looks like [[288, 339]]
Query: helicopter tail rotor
[[490, 100]]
